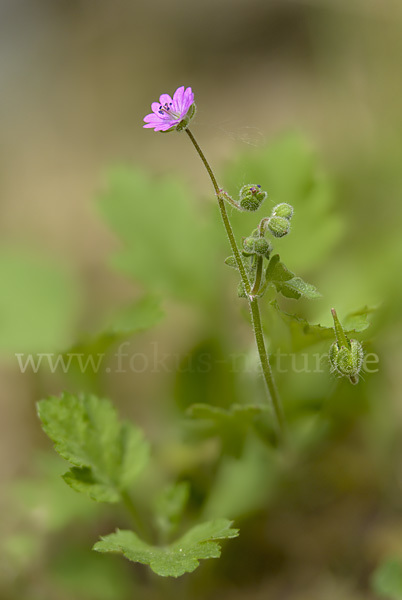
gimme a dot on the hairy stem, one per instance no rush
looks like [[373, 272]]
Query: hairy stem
[[224, 215], [265, 364], [253, 300]]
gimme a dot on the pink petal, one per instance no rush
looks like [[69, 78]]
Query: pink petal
[[152, 117], [165, 98], [155, 107], [188, 99], [178, 98], [163, 127]]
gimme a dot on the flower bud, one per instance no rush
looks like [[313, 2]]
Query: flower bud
[[251, 197], [262, 247], [257, 245], [346, 356], [248, 244], [278, 226], [283, 210], [347, 361]]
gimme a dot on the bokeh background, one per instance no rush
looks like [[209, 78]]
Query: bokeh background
[[312, 89]]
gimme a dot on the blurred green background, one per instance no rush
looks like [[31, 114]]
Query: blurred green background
[[305, 97]]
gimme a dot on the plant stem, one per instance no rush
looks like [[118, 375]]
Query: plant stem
[[258, 274], [129, 504], [265, 364], [252, 299]]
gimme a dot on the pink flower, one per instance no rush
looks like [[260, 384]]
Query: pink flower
[[172, 113]]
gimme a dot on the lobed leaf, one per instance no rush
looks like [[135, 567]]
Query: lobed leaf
[[183, 556], [287, 283], [107, 455]]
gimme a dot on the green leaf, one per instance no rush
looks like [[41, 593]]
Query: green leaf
[[387, 579], [181, 557], [169, 506], [287, 283], [168, 245], [230, 261], [107, 455], [357, 321], [231, 425], [137, 317], [245, 484], [304, 334], [296, 287]]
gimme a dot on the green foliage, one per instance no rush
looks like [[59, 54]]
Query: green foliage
[[243, 484], [181, 557], [137, 317], [167, 245], [231, 425], [387, 579], [304, 334], [357, 321], [39, 303], [287, 283], [169, 506], [107, 455]]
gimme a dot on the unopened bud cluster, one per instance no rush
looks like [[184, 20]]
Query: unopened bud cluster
[[251, 197]]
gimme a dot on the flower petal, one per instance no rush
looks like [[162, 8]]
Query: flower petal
[[178, 98], [164, 127], [152, 117], [188, 100], [165, 98], [155, 107]]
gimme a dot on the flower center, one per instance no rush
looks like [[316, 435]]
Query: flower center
[[166, 109]]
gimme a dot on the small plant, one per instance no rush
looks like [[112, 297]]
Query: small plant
[[107, 456]]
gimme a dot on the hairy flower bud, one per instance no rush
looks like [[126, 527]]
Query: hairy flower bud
[[346, 356], [283, 210], [347, 361], [248, 244], [257, 245], [251, 197], [262, 247], [278, 226]]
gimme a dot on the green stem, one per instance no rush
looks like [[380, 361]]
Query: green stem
[[258, 274], [129, 504], [253, 300], [265, 364], [224, 215]]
